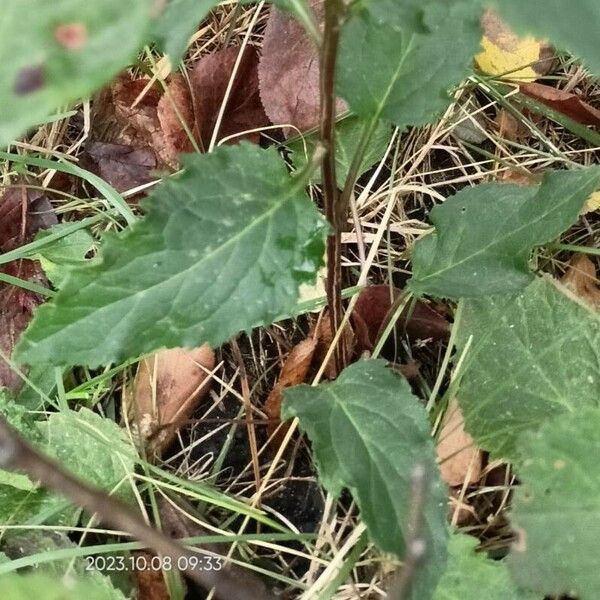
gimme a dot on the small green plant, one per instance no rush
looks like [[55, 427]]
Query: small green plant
[[224, 246]]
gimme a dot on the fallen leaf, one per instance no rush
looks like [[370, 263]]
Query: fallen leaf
[[509, 127], [582, 279], [175, 109], [567, 103], [323, 333], [23, 212], [289, 72], [124, 167], [519, 177], [508, 56], [209, 80], [294, 372], [593, 203], [167, 389], [459, 458], [150, 581], [375, 306]]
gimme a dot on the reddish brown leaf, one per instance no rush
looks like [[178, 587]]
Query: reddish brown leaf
[[289, 72], [567, 103], [123, 167], [209, 80], [459, 458], [149, 577], [510, 128], [375, 306], [23, 212], [322, 331], [581, 278], [294, 371], [168, 387], [174, 109]]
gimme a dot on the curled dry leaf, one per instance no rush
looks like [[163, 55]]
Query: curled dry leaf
[[582, 279], [511, 57], [244, 111], [324, 335], [459, 458], [294, 372], [377, 304], [167, 389], [289, 72], [567, 103], [509, 127], [23, 212]]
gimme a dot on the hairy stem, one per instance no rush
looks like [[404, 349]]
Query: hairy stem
[[17, 454], [333, 16]]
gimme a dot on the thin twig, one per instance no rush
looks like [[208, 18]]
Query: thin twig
[[333, 15], [17, 454], [416, 547]]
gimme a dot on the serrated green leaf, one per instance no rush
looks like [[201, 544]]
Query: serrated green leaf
[[65, 254], [224, 248], [418, 60], [556, 510], [532, 356], [485, 234], [368, 433], [347, 137], [39, 72], [573, 26], [177, 23], [473, 576], [46, 587]]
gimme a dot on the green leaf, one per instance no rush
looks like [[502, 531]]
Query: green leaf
[[178, 22], [472, 576], [93, 448], [556, 510], [369, 433], [573, 27], [348, 133], [65, 254], [54, 53], [224, 248], [46, 587], [401, 69], [485, 234], [533, 355]]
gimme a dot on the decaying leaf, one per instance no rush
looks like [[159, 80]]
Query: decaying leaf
[[175, 113], [23, 212], [124, 167], [376, 306], [244, 111], [567, 103], [509, 127], [294, 372], [458, 456], [322, 331], [582, 279], [593, 203], [150, 582], [508, 56], [289, 72], [167, 389]]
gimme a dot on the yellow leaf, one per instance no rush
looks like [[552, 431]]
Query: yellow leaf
[[593, 203], [506, 55]]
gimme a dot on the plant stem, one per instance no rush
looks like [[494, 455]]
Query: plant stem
[[329, 49]]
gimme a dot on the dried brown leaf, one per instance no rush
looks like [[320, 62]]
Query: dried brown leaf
[[376, 305], [324, 335], [582, 279], [567, 103], [150, 580], [459, 458], [174, 109], [294, 372], [23, 212], [289, 72], [244, 111], [509, 127], [123, 167], [167, 389]]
